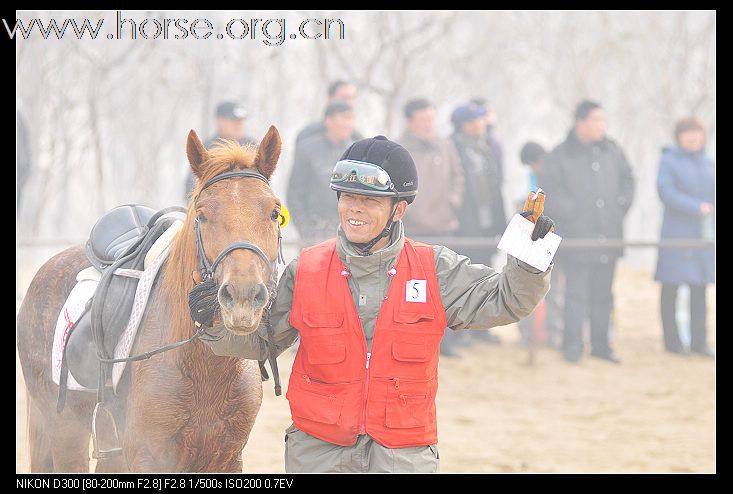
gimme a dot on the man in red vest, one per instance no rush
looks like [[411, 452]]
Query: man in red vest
[[370, 307]]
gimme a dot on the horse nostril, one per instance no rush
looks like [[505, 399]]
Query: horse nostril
[[225, 296], [260, 298]]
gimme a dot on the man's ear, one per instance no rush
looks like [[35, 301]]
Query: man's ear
[[400, 210]]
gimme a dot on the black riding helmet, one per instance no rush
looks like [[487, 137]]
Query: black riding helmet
[[376, 167]]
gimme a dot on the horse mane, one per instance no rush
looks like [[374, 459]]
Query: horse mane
[[177, 280]]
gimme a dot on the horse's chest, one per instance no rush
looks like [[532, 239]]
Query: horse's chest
[[196, 416]]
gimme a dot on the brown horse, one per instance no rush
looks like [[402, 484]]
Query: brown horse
[[187, 409]]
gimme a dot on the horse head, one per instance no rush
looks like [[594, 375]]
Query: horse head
[[228, 210]]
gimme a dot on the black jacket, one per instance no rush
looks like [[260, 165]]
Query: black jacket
[[589, 191], [311, 202], [482, 212]]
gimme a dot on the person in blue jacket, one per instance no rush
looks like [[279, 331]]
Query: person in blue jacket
[[686, 186]]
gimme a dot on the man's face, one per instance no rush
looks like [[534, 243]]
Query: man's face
[[593, 127], [230, 129], [475, 127], [692, 140], [363, 217], [340, 126], [422, 123], [345, 92]]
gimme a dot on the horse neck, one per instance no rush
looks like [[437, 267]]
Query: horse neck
[[177, 282]]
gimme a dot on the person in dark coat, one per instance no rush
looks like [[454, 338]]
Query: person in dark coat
[[482, 213], [338, 90], [490, 136], [230, 124], [686, 186], [311, 210], [591, 186]]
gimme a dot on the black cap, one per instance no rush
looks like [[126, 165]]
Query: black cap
[[532, 153], [231, 111], [392, 158]]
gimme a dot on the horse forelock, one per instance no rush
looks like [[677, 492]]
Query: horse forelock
[[182, 262]]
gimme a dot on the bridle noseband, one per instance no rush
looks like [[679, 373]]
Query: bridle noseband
[[207, 269]]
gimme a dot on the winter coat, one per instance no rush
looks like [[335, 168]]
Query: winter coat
[[436, 207], [685, 181], [589, 190], [483, 203]]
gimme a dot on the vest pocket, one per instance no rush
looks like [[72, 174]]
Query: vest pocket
[[323, 323], [326, 349], [415, 322], [412, 317], [323, 408], [324, 337], [408, 404], [410, 351]]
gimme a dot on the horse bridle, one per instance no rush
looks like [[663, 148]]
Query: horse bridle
[[207, 274], [207, 269]]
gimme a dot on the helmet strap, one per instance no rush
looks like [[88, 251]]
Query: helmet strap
[[365, 248]]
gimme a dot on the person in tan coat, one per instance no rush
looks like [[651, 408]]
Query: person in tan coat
[[440, 171]]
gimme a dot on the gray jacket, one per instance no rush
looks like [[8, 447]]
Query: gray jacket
[[474, 296]]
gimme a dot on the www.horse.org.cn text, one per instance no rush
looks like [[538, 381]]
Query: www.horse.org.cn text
[[271, 31]]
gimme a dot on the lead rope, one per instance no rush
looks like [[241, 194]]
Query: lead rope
[[270, 340]]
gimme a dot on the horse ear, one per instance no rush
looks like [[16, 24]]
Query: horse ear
[[268, 152], [196, 152]]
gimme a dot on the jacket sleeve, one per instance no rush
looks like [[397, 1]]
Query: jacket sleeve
[[253, 346], [478, 297], [669, 193], [626, 183]]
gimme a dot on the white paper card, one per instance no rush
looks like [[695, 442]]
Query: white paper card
[[416, 291], [517, 241]]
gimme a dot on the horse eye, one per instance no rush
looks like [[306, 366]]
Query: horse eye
[[202, 218], [275, 215]]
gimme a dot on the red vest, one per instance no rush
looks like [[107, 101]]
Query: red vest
[[336, 391]]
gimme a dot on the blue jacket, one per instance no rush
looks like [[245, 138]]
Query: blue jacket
[[685, 181]]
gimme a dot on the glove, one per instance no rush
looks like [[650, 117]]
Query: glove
[[533, 208]]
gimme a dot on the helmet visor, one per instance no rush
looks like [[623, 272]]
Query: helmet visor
[[350, 173]]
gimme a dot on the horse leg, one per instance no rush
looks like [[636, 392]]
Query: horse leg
[[144, 462], [70, 449], [39, 443]]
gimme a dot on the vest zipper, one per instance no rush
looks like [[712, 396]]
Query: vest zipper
[[362, 425], [309, 380], [331, 396]]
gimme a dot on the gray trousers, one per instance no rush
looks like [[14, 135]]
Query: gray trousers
[[305, 453]]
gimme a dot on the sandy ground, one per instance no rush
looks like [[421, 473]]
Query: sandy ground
[[653, 413]]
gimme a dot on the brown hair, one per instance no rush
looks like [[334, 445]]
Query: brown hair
[[687, 124]]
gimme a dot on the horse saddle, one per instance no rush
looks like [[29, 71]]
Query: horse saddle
[[117, 247]]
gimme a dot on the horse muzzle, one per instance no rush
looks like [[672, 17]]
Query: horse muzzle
[[242, 307]]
